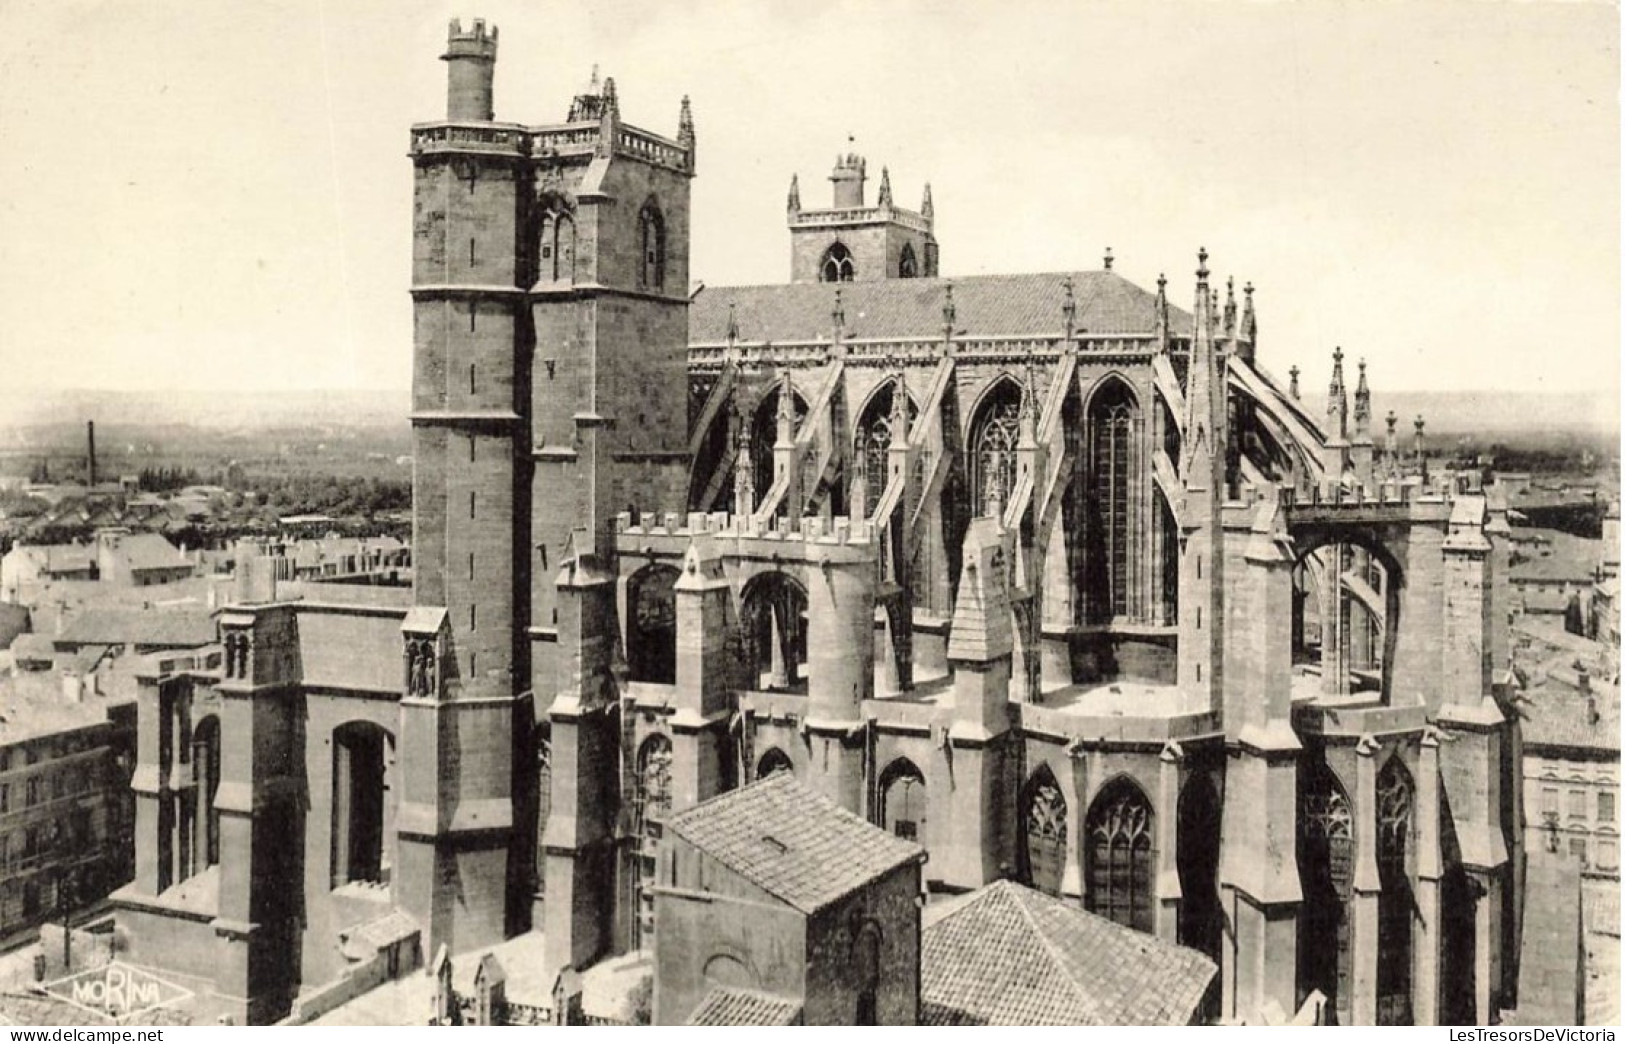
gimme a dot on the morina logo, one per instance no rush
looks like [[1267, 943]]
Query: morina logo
[[116, 990]]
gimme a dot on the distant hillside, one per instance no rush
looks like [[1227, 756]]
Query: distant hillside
[[1486, 414], [230, 410]]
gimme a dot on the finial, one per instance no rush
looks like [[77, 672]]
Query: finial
[[948, 311], [1029, 393], [1201, 265], [1162, 284], [885, 188], [1069, 305], [593, 84], [1293, 373], [611, 103], [1230, 306], [787, 409], [794, 202], [927, 211], [733, 324], [839, 313], [1108, 259], [899, 403], [685, 120], [1420, 424], [1393, 421]]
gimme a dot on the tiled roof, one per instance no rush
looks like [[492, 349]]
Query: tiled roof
[[176, 628], [792, 843], [150, 551], [730, 1006], [1010, 956], [1557, 716], [984, 306]]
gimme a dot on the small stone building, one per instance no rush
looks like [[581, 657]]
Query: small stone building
[[774, 902]]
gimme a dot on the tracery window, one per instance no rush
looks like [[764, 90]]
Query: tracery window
[[874, 441], [907, 266], [1111, 428], [1394, 826], [837, 265], [1044, 819], [993, 450], [1118, 859], [652, 234], [1326, 868]]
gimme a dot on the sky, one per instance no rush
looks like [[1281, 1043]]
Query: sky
[[216, 196]]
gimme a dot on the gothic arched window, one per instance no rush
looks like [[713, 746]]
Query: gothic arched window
[[903, 802], [1118, 859], [1112, 418], [993, 450], [907, 266], [1394, 826], [837, 266], [1043, 814], [1326, 868], [873, 442], [652, 235], [773, 612], [775, 760]]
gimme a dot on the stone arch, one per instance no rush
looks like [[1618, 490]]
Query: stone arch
[[837, 264], [904, 803], [1308, 540], [1326, 871], [362, 770], [1043, 810], [1112, 418], [773, 622], [990, 444], [651, 624], [1119, 857], [774, 760]]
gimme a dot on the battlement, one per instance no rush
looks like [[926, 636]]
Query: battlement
[[852, 162], [474, 43], [837, 531]]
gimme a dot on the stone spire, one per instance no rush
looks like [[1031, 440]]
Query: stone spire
[[1293, 373], [1391, 442], [1337, 401], [733, 324], [793, 203], [1362, 405], [927, 211], [685, 130], [786, 416], [1106, 261], [1230, 309], [899, 412], [949, 313], [1202, 475], [1249, 322], [885, 188], [744, 467], [1162, 312], [1028, 417], [1069, 307]]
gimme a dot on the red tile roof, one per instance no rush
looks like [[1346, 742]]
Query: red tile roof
[[984, 306], [1010, 956], [792, 843]]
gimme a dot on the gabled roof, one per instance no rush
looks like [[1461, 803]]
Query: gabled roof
[[150, 551], [731, 1006], [1010, 956], [792, 843], [984, 306], [174, 628]]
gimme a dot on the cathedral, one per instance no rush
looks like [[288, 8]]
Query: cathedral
[[1044, 572]]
